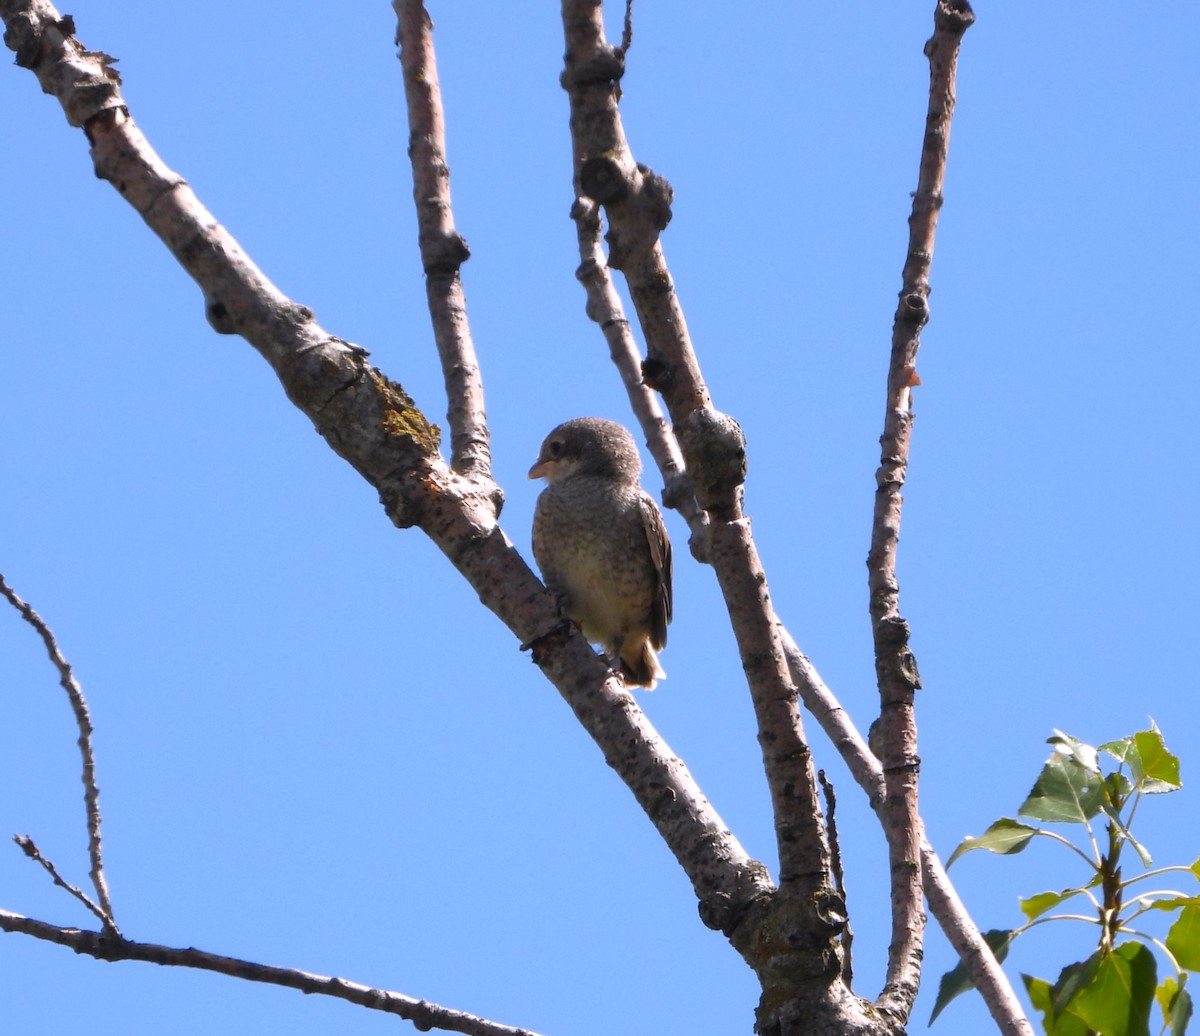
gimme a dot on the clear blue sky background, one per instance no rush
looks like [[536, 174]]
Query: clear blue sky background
[[317, 750]]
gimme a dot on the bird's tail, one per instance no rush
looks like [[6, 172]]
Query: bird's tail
[[639, 665]]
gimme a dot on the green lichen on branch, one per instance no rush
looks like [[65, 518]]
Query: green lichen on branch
[[400, 416]]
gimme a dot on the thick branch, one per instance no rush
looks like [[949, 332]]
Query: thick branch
[[91, 790], [803, 851], [797, 936], [443, 249], [895, 667], [423, 1014], [636, 204], [372, 423]]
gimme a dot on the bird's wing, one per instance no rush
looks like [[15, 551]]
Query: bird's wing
[[660, 554]]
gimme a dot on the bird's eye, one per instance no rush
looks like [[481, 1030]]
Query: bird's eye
[[555, 447]]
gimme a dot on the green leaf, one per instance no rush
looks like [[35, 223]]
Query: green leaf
[[1041, 995], [1155, 770], [1072, 980], [1195, 869], [1118, 749], [956, 981], [1066, 792], [1165, 995], [1169, 903], [1119, 788], [1118, 1000], [1176, 1004], [1181, 1012], [1183, 939], [1037, 905], [1005, 836], [1080, 751]]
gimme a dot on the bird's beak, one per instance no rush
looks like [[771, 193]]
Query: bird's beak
[[541, 469]]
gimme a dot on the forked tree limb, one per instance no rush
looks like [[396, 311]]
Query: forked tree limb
[[636, 204], [102, 908]]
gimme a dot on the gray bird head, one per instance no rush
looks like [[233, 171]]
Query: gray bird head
[[588, 446]]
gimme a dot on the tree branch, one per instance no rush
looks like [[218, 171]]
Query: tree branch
[[605, 308], [895, 666], [944, 904], [637, 206], [443, 249], [374, 425], [423, 1014], [91, 791]]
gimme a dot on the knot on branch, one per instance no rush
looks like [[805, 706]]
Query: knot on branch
[[914, 309], [24, 38], [892, 632], [657, 195], [637, 201], [443, 251], [830, 907], [25, 35], [657, 374], [726, 911], [604, 67], [605, 179], [891, 640], [714, 451], [955, 16], [219, 318]]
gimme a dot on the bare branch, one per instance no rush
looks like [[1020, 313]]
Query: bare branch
[[803, 850], [971, 947], [443, 249], [895, 666], [989, 978], [636, 202], [839, 874], [627, 28], [91, 791], [637, 205], [30, 849], [423, 1014], [605, 308]]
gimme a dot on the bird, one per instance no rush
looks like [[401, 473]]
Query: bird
[[602, 546]]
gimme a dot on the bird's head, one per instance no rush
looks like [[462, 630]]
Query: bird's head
[[588, 446]]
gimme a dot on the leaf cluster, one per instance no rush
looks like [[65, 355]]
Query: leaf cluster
[[1113, 990]]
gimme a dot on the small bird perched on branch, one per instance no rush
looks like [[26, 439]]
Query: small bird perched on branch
[[601, 544]]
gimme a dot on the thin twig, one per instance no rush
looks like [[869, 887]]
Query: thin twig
[[443, 249], [91, 791], [29, 847], [839, 875], [423, 1014], [895, 667]]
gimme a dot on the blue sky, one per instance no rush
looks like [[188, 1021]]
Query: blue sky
[[317, 750]]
